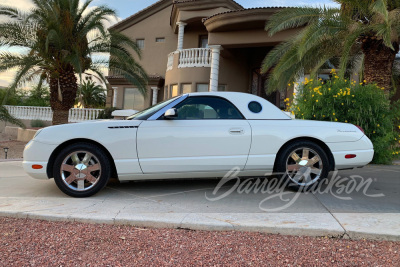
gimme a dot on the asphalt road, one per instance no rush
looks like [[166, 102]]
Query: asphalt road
[[360, 203]]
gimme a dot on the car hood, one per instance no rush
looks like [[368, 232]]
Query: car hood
[[86, 130]]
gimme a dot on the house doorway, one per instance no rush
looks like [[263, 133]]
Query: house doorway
[[258, 87]]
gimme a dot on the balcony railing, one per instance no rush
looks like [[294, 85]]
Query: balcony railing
[[194, 57], [46, 114]]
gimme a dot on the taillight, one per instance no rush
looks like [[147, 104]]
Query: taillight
[[361, 129]]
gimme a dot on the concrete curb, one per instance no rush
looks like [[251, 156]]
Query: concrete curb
[[178, 224], [207, 226]]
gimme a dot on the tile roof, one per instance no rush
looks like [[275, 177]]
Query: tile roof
[[244, 9], [139, 12], [184, 1], [154, 5], [152, 76]]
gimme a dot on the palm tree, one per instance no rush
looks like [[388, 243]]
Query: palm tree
[[63, 39], [91, 95], [6, 117], [358, 35]]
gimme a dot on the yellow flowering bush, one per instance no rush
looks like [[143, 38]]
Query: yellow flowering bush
[[361, 104]]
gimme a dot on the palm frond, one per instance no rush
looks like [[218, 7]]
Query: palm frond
[[290, 18], [5, 116], [331, 35], [64, 37]]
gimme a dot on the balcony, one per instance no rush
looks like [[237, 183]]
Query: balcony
[[190, 58]]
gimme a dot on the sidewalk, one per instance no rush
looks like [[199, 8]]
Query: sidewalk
[[184, 204]]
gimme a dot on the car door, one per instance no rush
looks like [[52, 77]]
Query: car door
[[209, 134]]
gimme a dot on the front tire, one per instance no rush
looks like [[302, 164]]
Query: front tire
[[81, 170], [303, 164]]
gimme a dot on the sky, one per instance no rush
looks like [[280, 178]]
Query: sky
[[126, 8]]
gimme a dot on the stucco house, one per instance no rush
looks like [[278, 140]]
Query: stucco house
[[196, 46]]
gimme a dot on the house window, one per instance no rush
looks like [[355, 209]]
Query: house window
[[203, 41], [140, 43], [202, 87], [186, 88], [174, 90], [221, 88], [133, 99], [160, 40]]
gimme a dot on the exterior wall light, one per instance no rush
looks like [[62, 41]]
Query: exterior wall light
[[5, 151]]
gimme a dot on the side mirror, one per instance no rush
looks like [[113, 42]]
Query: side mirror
[[171, 113]]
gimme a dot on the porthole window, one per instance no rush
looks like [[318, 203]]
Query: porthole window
[[255, 107]]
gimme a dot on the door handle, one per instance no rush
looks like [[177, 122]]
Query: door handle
[[236, 131]]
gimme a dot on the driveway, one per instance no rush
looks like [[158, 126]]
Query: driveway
[[361, 203]]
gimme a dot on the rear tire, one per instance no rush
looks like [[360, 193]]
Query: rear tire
[[302, 164], [81, 170]]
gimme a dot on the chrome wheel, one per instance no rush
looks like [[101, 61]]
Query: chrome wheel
[[80, 171], [304, 166]]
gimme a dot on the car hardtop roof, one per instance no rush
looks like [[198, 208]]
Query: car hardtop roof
[[219, 93], [242, 100]]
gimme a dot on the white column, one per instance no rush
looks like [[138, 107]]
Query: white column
[[115, 96], [215, 54], [181, 33], [155, 94]]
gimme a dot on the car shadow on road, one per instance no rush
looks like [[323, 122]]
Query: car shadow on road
[[367, 190]]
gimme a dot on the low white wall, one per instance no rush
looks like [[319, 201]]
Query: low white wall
[[27, 124], [46, 114]]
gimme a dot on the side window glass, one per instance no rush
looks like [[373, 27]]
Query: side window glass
[[207, 108]]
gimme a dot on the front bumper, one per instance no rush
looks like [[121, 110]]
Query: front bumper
[[37, 153]]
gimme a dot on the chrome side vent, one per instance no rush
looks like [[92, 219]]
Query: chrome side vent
[[122, 127]]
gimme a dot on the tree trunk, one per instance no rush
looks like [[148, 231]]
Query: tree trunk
[[378, 62], [60, 116], [67, 82]]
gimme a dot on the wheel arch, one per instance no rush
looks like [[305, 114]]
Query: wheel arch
[[53, 155], [311, 139]]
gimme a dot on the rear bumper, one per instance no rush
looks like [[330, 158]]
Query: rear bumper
[[363, 149], [363, 158]]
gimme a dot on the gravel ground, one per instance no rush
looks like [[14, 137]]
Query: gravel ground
[[15, 148], [25, 242]]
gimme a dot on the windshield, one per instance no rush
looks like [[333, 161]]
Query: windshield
[[148, 112]]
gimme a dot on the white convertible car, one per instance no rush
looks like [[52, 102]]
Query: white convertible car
[[192, 136]]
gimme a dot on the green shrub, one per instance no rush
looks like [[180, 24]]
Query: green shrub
[[37, 124], [365, 105], [39, 97], [106, 113]]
